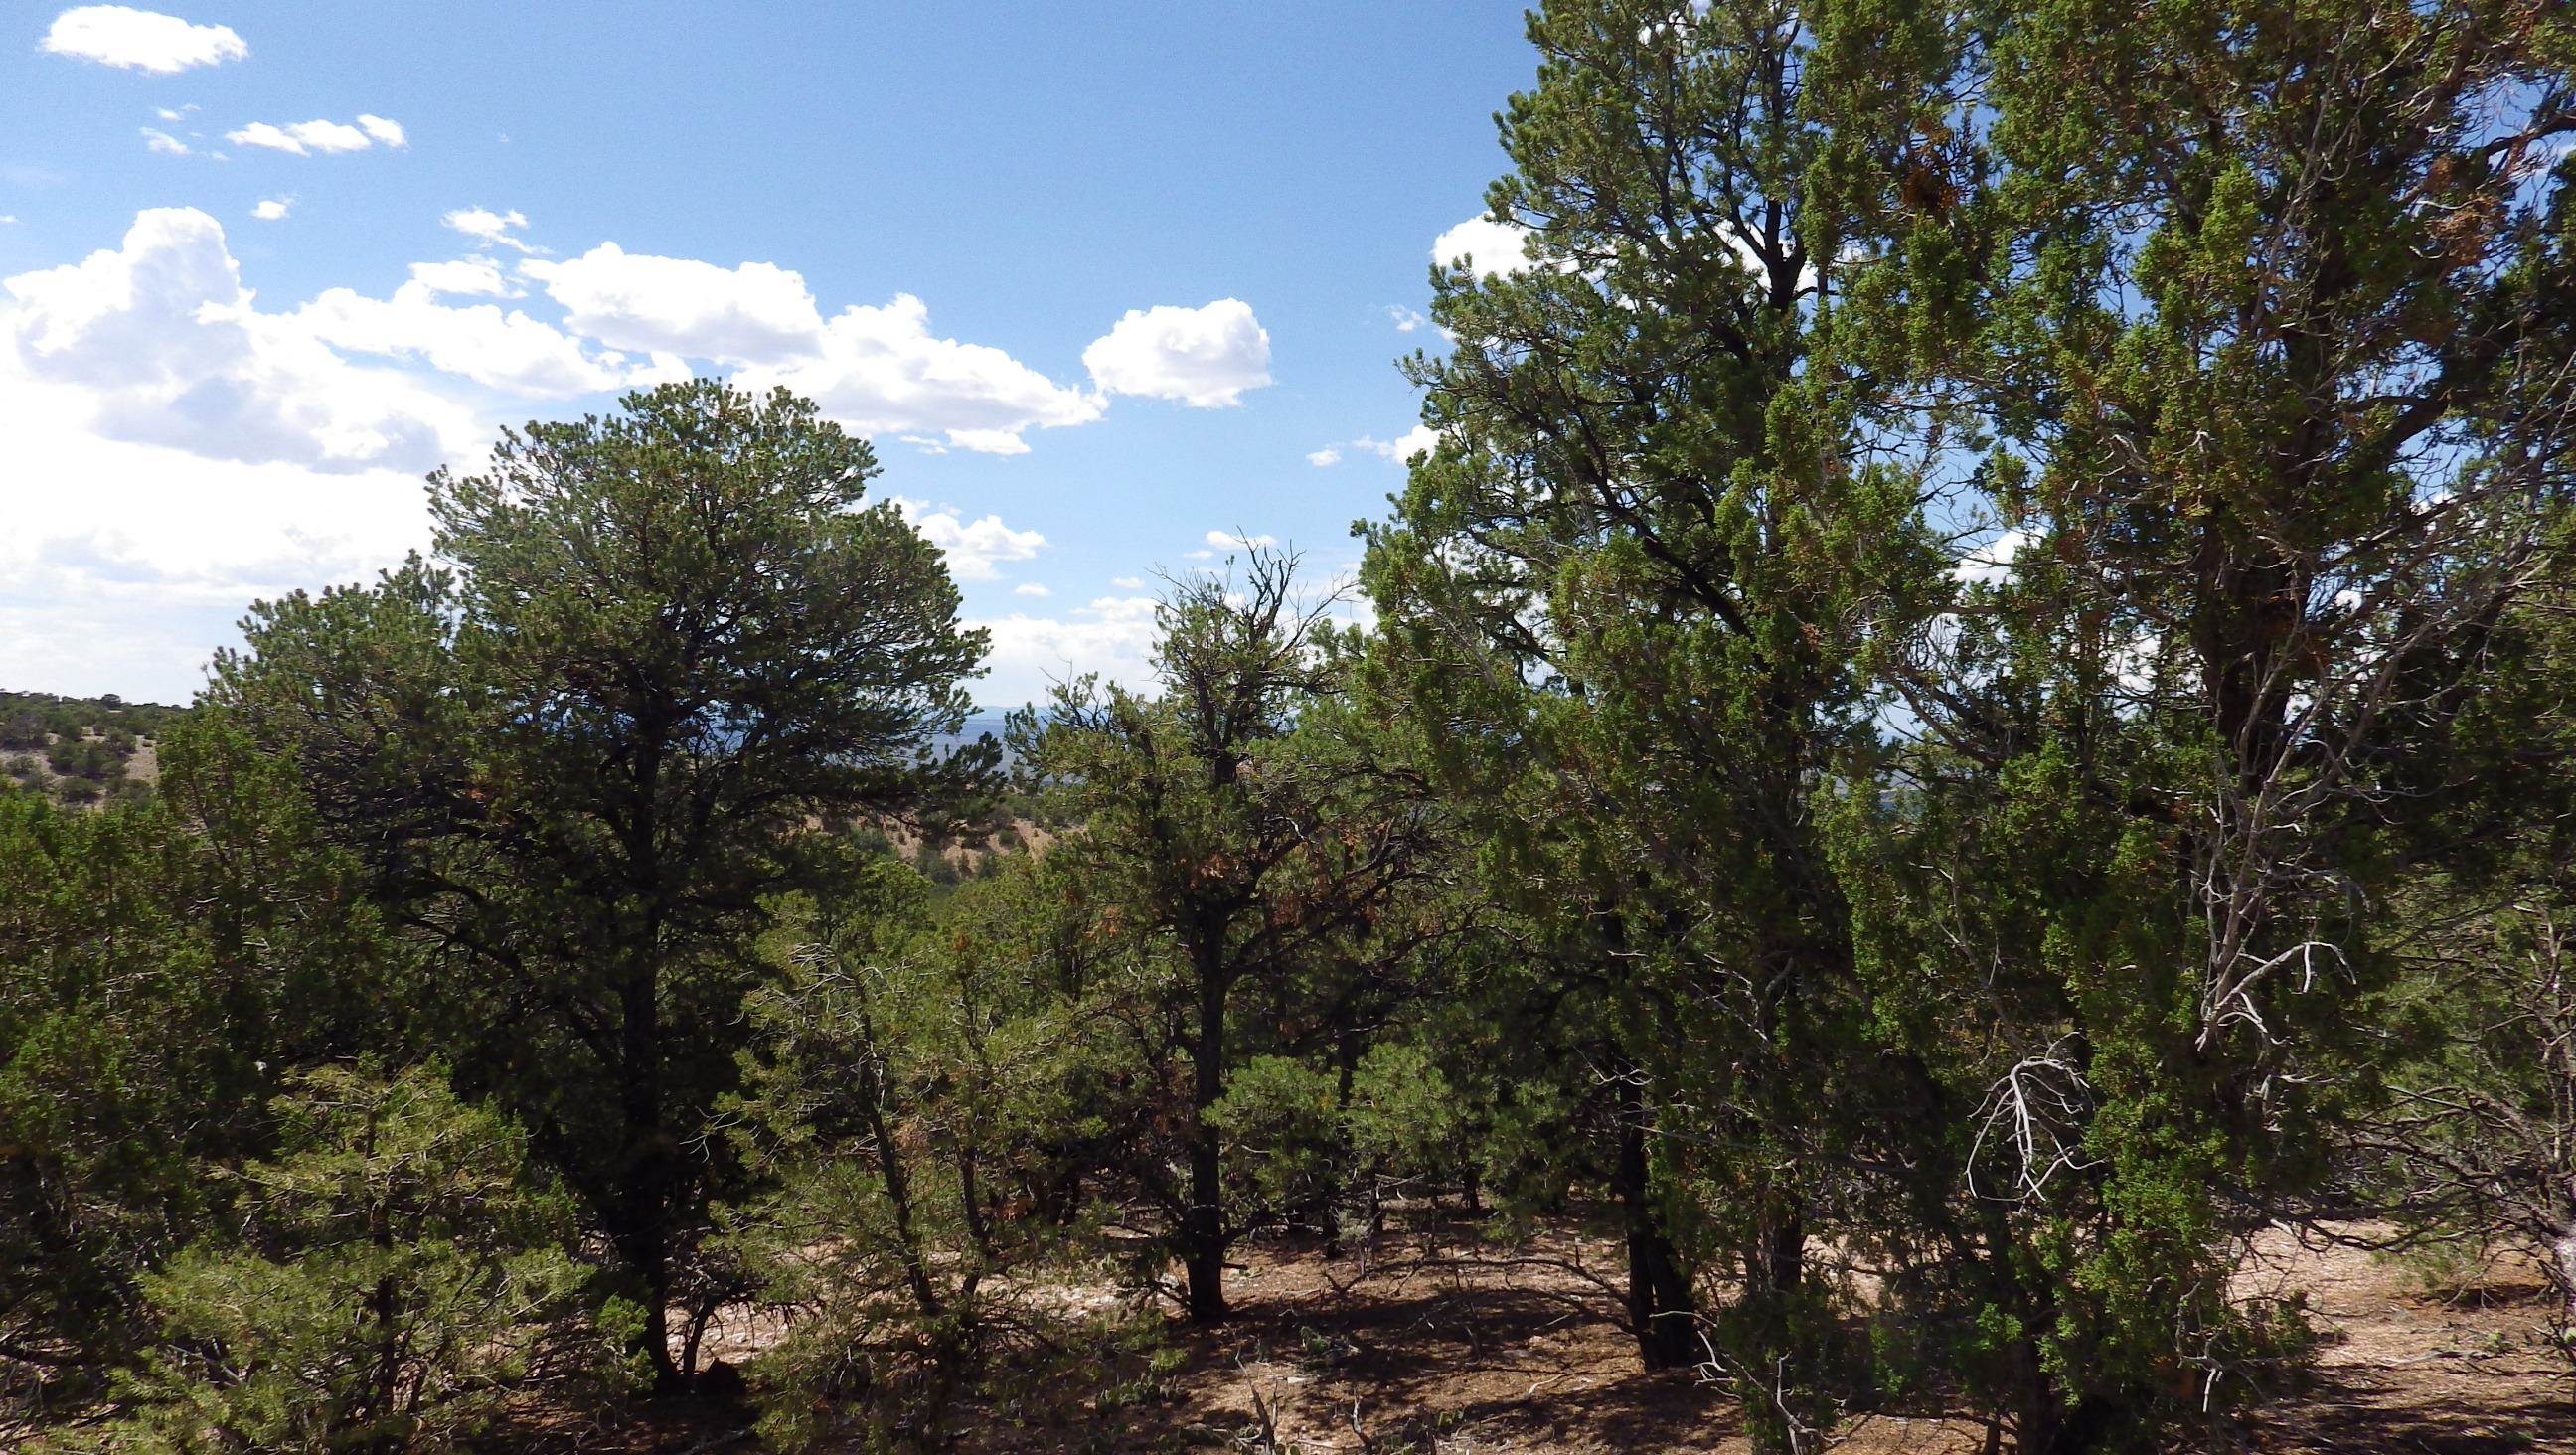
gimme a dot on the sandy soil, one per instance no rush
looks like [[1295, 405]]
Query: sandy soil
[[1437, 1342], [143, 767], [1444, 1345], [2402, 1369]]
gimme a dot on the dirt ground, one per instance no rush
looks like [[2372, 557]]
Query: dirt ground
[[143, 767], [2462, 1372], [1437, 1342], [1440, 1344]]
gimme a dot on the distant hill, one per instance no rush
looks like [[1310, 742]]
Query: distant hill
[[81, 750], [978, 725], [84, 750]]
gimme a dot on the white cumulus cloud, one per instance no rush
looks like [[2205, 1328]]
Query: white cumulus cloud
[[1324, 458], [1495, 247], [973, 547], [125, 564], [659, 368], [141, 40], [1113, 636], [473, 277], [1991, 564], [163, 345], [185, 450], [1030, 588], [1232, 540], [1204, 357], [506, 351], [163, 143], [756, 312], [1420, 439], [882, 371]]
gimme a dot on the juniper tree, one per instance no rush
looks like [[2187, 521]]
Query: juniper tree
[[1647, 563], [400, 1270], [2266, 306], [163, 965], [2477, 1129], [1226, 846], [921, 1073]]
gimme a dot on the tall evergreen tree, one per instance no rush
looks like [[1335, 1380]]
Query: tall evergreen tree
[[2266, 307], [582, 753], [1648, 562]]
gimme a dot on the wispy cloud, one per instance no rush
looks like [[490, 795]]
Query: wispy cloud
[[305, 138]]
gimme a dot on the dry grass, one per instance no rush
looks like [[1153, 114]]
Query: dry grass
[[2463, 1371]]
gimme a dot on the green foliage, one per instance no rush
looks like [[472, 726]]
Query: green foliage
[[2475, 1135], [1280, 1119], [401, 1269], [1307, 1143], [1643, 584], [95, 760], [29, 719], [79, 750], [907, 1112], [160, 965], [114, 1038], [1978, 677], [1242, 846], [2253, 399], [582, 756], [1404, 1118]]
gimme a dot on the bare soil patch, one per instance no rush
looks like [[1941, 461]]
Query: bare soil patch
[[2456, 1372], [1441, 1342], [1438, 1340]]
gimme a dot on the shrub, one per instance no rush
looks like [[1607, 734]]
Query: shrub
[[401, 1272], [914, 1084], [95, 761], [1282, 1125], [933, 864], [1406, 1121]]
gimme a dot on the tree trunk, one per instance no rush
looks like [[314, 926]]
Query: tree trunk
[[2081, 1430], [1326, 1212], [2030, 1393], [639, 1221], [1203, 1224], [898, 1189], [384, 1382], [1660, 1306], [1787, 1376], [2565, 1248]]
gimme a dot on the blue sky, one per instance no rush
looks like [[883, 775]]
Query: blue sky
[[1098, 280]]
